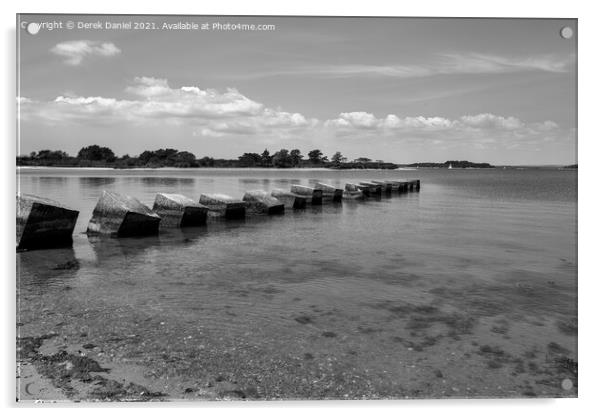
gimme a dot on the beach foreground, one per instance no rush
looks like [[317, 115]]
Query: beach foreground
[[472, 293]]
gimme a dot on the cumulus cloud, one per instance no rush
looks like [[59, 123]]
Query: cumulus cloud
[[484, 121], [490, 121], [479, 130], [209, 112], [76, 51], [229, 113]]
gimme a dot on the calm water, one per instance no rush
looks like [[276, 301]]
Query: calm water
[[400, 297]]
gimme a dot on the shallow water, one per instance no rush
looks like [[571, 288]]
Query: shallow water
[[401, 297]]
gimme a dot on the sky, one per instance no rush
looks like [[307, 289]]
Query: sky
[[402, 90]]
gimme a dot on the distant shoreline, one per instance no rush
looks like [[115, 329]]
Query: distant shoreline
[[168, 168], [297, 169]]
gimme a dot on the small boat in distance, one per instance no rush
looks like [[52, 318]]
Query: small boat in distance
[[450, 166]]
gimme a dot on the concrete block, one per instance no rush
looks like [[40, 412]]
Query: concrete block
[[289, 199], [43, 223], [177, 210], [121, 215], [223, 206], [261, 202]]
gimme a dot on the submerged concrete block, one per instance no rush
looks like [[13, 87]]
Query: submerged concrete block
[[353, 192], [177, 210], [386, 187], [122, 216], [223, 206], [329, 192], [352, 187], [260, 202], [43, 223], [289, 199], [405, 185], [373, 188], [395, 186], [313, 195]]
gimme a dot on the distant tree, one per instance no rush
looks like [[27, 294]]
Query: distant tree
[[296, 157], [167, 157], [96, 153], [146, 156], [184, 160], [315, 156], [52, 155], [337, 158], [282, 159], [250, 159], [266, 159], [362, 160], [206, 161]]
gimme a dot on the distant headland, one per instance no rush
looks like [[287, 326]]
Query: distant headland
[[103, 157], [95, 156]]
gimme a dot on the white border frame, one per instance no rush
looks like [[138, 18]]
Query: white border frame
[[589, 156]]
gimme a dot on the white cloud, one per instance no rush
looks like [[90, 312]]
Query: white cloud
[[484, 121], [479, 130], [357, 119], [75, 51], [208, 112], [491, 121], [153, 102]]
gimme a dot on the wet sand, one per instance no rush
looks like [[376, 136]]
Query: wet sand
[[441, 351]]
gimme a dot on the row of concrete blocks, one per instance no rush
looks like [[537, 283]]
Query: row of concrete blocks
[[43, 222]]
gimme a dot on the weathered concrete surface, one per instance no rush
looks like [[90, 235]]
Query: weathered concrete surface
[[386, 187], [416, 184], [177, 210], [329, 192], [404, 185], [43, 223], [260, 202], [353, 192], [223, 206], [122, 216], [373, 188], [395, 186], [352, 187], [313, 195], [398, 185], [289, 199]]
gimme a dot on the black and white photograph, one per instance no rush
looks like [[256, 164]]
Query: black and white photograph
[[259, 208]]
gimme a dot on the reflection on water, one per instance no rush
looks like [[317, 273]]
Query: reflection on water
[[52, 181], [254, 181], [39, 269], [91, 182], [108, 249], [374, 296], [151, 181]]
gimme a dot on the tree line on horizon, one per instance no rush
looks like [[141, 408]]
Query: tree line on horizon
[[97, 156]]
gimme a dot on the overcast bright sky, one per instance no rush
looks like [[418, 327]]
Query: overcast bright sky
[[402, 90]]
